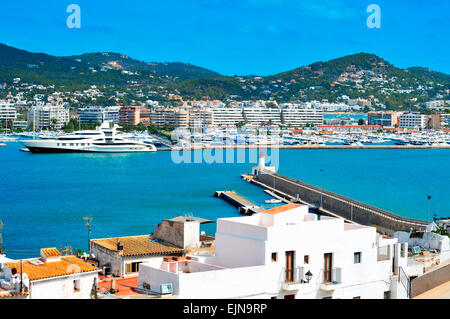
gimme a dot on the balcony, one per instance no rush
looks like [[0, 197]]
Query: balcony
[[331, 279], [292, 279]]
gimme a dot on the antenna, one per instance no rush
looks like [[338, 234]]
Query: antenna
[[88, 225]]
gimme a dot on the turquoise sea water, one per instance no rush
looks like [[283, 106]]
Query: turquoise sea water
[[43, 197]]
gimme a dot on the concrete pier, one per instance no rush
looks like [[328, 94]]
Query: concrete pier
[[245, 207], [334, 204]]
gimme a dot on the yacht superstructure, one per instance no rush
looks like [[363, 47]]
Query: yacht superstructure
[[104, 139]]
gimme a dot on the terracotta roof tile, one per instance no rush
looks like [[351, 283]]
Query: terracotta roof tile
[[66, 266], [138, 245], [280, 209]]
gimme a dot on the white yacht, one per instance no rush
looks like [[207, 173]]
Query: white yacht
[[104, 139]]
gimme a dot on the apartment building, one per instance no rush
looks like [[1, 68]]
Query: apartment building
[[445, 120], [92, 115], [287, 253], [129, 115], [298, 116], [200, 117], [46, 116], [389, 118], [259, 115], [412, 120], [227, 116], [178, 118], [8, 113]]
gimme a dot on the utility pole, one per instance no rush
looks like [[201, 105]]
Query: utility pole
[[88, 225], [21, 276]]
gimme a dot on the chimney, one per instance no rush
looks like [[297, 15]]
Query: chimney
[[119, 246]]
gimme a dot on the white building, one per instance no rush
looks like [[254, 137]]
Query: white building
[[92, 115], [227, 116], [42, 116], [259, 115], [286, 252], [410, 119], [51, 276], [299, 116], [7, 112]]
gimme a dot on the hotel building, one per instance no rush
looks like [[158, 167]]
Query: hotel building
[[412, 120], [42, 116], [92, 115], [389, 118], [298, 116], [8, 113]]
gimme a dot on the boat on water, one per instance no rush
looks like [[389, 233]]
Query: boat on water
[[104, 139], [272, 201]]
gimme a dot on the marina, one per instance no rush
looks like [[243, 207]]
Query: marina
[[54, 191]]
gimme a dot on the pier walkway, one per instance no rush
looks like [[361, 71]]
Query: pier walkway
[[336, 205], [245, 206]]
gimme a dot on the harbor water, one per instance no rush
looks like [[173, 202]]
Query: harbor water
[[44, 197]]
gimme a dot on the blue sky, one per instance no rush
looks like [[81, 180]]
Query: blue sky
[[235, 36]]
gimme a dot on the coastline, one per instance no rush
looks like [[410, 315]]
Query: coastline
[[306, 147]]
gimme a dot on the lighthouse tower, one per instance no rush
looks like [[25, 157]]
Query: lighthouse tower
[[262, 160]]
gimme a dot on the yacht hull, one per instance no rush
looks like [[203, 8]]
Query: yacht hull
[[46, 147]]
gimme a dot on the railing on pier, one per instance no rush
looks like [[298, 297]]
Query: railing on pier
[[354, 203]]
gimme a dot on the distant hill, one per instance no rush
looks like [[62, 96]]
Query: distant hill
[[182, 71], [91, 68], [361, 75]]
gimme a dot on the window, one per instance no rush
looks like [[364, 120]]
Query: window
[[132, 267], [76, 285], [306, 259], [357, 258], [387, 295], [274, 257]]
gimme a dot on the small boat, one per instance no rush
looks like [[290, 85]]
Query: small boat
[[272, 201], [25, 150], [2, 144]]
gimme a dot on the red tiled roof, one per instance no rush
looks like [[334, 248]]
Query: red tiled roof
[[280, 209], [66, 266]]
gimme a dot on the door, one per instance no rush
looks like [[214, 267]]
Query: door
[[328, 264], [289, 266]]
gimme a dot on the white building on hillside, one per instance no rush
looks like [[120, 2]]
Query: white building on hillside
[[286, 252]]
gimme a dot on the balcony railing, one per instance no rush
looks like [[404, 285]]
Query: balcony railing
[[332, 276], [293, 275], [291, 279]]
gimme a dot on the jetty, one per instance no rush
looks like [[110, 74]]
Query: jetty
[[332, 204], [245, 206]]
